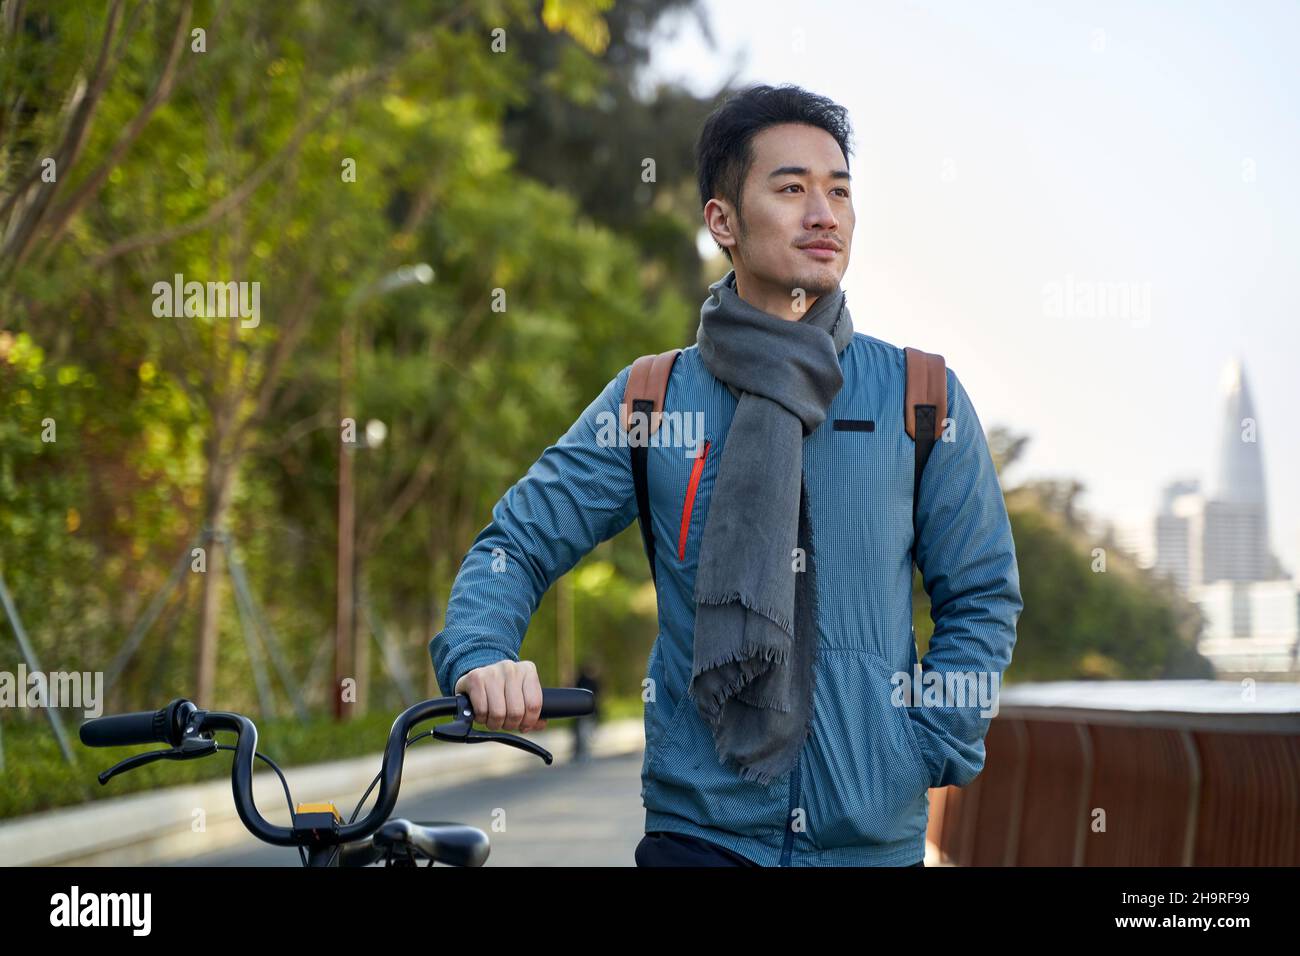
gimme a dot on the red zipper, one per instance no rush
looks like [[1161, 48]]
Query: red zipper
[[696, 469]]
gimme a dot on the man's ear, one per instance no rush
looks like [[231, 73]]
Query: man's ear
[[723, 223]]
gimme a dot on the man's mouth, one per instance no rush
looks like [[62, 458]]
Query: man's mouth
[[822, 249]]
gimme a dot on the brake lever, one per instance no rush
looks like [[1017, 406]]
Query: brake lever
[[460, 730], [190, 749]]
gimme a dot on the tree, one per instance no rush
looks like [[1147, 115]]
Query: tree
[[306, 156]]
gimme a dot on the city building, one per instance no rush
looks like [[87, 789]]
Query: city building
[[1214, 545]]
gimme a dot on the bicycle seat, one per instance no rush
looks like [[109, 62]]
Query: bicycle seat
[[452, 843]]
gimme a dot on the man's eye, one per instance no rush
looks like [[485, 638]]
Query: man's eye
[[842, 190], [791, 186]]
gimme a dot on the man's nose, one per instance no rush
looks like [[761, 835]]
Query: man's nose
[[819, 214]]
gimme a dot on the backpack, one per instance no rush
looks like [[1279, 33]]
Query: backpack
[[924, 408]]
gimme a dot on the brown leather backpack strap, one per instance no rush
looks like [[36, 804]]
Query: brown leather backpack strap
[[646, 385], [648, 381], [925, 406], [927, 384]]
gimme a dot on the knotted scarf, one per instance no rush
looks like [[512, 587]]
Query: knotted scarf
[[755, 630]]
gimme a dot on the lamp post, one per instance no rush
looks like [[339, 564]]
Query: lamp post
[[345, 657]]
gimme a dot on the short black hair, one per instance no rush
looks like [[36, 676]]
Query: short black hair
[[724, 152]]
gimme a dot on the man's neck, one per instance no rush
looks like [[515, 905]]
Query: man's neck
[[773, 300]]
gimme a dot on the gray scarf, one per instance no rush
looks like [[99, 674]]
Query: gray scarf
[[755, 616]]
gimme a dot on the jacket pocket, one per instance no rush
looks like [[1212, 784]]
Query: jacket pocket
[[690, 780], [688, 503], [867, 782]]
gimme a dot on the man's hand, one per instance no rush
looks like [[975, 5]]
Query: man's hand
[[506, 695]]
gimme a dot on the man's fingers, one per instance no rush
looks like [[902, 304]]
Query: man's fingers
[[506, 695], [516, 674], [471, 685], [532, 688], [496, 698]]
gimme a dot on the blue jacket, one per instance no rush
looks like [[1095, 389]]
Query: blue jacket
[[859, 793]]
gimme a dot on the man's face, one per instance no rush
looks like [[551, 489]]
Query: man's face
[[795, 194]]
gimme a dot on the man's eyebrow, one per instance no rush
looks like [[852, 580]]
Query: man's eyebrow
[[803, 171]]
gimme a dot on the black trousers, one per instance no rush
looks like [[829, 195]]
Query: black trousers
[[666, 848]]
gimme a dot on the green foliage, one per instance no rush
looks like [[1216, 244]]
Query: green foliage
[[231, 165], [1084, 622], [1083, 619]]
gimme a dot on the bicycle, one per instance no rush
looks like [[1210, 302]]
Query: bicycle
[[318, 830]]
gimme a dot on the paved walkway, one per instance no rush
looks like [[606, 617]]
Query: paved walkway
[[567, 814]]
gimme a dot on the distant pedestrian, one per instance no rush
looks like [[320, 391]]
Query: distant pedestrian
[[585, 727]]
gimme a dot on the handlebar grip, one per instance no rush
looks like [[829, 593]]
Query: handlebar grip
[[567, 702], [143, 727]]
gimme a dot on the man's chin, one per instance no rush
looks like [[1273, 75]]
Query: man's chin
[[817, 282]]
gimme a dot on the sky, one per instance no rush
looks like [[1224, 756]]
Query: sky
[[1087, 208]]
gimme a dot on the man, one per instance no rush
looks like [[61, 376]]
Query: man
[[774, 735]]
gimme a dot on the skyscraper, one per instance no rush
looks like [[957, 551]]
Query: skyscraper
[[1215, 547], [1235, 545], [1178, 533]]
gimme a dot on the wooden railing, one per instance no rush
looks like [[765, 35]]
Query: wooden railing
[[1077, 775]]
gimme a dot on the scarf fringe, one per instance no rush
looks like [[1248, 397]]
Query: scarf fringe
[[769, 703], [749, 772], [752, 774], [777, 617], [747, 651], [712, 704]]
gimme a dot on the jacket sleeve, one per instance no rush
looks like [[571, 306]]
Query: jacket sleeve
[[576, 495], [967, 559]]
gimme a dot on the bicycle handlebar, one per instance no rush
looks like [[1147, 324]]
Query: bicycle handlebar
[[123, 730], [181, 720]]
